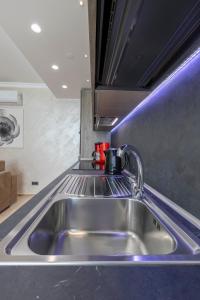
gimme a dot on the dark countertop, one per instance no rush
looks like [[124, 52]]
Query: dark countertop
[[177, 282]]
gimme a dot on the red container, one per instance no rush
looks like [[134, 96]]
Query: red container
[[98, 154]]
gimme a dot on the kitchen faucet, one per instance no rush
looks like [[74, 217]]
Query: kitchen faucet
[[137, 185]]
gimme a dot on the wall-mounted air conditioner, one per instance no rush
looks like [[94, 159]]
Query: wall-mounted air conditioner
[[8, 96]]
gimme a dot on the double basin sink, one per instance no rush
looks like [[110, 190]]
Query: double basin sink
[[113, 230]]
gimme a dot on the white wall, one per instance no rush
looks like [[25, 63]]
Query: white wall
[[51, 139]]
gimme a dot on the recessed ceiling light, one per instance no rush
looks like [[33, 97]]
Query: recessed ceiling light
[[81, 3], [87, 80], [55, 67], [85, 55], [36, 28], [64, 86]]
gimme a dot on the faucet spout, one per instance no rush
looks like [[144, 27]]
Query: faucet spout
[[138, 186]]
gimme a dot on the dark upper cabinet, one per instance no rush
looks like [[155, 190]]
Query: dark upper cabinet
[[137, 41]]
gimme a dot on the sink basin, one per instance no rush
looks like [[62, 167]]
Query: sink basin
[[100, 227]]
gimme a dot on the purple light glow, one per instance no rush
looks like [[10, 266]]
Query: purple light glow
[[191, 59]]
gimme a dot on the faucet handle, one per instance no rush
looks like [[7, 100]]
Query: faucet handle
[[135, 190], [133, 185]]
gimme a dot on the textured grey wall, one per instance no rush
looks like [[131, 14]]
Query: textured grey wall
[[166, 131], [88, 135]]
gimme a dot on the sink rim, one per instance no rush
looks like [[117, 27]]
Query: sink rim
[[93, 257], [38, 217], [32, 259]]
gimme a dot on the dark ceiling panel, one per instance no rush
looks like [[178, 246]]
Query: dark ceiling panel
[[143, 37]]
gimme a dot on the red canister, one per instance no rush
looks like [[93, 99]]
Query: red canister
[[98, 154]]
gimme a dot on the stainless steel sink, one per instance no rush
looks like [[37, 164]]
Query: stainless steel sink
[[69, 230], [86, 227], [102, 229]]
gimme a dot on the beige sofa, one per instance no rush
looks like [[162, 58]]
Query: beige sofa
[[8, 187]]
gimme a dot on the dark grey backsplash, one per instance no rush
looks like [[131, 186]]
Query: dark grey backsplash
[[166, 131]]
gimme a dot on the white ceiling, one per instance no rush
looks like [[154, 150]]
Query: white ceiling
[[14, 67], [64, 41]]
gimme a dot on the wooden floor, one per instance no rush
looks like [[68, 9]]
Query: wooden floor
[[21, 200]]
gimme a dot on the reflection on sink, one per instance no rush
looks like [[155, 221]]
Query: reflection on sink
[[112, 227]]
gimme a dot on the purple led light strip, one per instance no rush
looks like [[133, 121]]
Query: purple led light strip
[[163, 84]]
